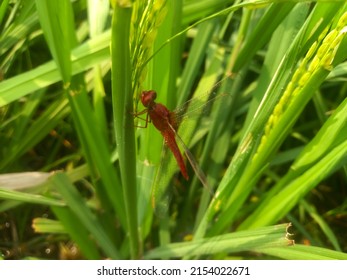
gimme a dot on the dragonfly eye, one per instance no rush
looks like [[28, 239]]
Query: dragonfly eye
[[148, 97]]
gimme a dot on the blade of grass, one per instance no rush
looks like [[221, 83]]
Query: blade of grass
[[291, 113], [57, 31], [57, 17], [98, 12], [44, 225], [97, 153], [273, 16], [323, 225], [301, 252], [295, 190], [78, 232], [3, 8], [23, 180], [268, 237], [315, 160], [39, 129], [196, 9], [123, 119], [195, 59], [83, 58], [83, 214], [21, 21], [29, 198]]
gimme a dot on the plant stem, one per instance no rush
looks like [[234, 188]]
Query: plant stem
[[123, 120]]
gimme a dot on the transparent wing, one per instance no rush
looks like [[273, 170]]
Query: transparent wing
[[199, 105], [198, 172], [161, 191], [162, 188]]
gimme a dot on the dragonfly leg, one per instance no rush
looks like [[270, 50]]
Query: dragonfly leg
[[146, 120]]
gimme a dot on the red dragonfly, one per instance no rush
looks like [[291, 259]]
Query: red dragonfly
[[167, 122]]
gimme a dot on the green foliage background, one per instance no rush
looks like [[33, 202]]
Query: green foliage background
[[77, 174]]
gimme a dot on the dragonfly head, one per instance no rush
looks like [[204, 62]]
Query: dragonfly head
[[148, 97]]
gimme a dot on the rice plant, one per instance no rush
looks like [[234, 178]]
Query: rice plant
[[78, 170]]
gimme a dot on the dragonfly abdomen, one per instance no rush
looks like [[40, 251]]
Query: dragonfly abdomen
[[170, 141]]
